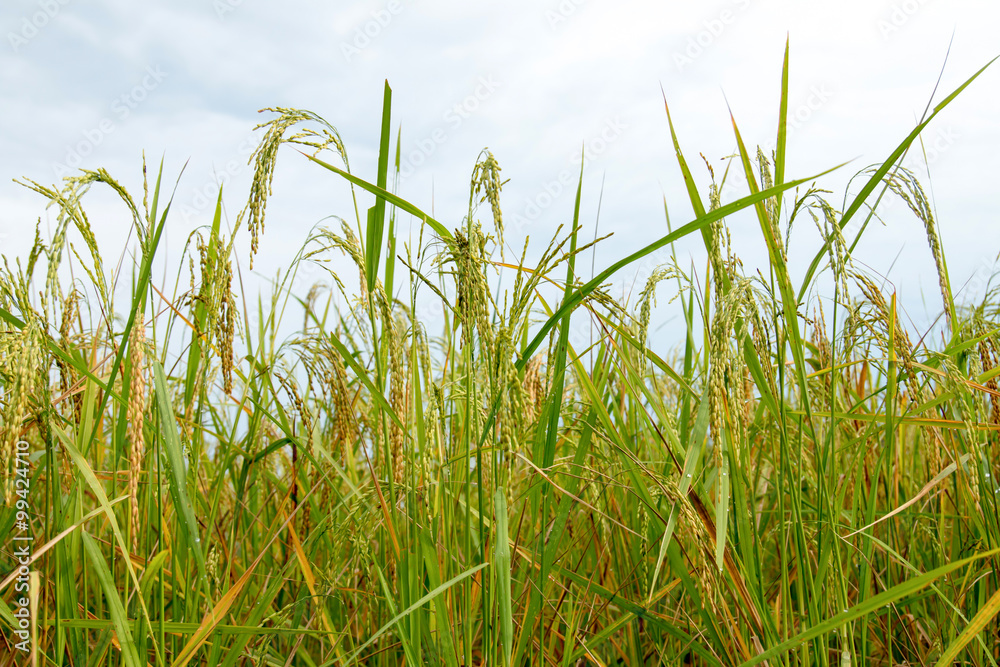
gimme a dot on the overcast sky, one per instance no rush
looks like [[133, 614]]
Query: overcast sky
[[94, 84]]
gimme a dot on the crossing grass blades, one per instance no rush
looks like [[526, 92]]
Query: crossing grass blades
[[799, 484]]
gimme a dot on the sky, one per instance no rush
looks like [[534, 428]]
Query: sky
[[96, 84]]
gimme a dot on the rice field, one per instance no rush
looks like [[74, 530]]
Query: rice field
[[803, 481]]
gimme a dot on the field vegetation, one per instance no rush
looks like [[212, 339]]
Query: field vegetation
[[804, 481]]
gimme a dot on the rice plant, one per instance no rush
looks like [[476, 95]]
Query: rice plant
[[801, 482]]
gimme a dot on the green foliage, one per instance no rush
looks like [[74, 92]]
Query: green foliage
[[778, 491]]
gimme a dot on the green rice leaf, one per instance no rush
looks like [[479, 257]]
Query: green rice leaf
[[176, 469], [115, 606], [869, 605]]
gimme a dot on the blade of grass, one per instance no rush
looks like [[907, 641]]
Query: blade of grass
[[396, 201], [641, 612], [546, 446], [406, 612], [176, 470], [215, 615], [501, 565], [699, 223], [115, 606], [376, 214], [440, 605], [894, 594], [876, 178], [98, 490]]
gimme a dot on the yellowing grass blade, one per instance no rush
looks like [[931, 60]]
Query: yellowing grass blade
[[215, 615], [923, 492], [975, 626], [895, 593], [310, 578]]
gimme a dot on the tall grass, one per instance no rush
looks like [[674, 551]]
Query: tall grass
[[800, 484]]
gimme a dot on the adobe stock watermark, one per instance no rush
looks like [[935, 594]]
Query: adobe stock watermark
[[371, 29], [25, 581], [899, 15], [977, 284], [204, 197], [453, 118], [927, 152], [30, 26], [711, 31], [562, 12], [122, 107], [798, 117], [933, 150], [628, 282], [593, 148], [224, 7], [819, 95]]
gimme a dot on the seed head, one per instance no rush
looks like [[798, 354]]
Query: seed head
[[135, 412]]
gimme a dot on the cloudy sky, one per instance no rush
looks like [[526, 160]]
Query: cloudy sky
[[95, 84]]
